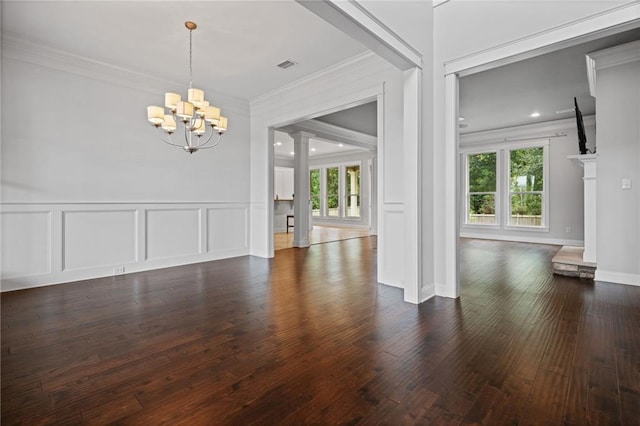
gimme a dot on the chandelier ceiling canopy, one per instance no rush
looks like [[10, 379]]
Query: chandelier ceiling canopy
[[199, 120]]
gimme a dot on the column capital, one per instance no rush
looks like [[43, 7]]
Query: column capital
[[301, 134]]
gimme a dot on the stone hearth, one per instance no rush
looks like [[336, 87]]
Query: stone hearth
[[568, 261]]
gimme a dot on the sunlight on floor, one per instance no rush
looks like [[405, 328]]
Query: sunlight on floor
[[319, 234]]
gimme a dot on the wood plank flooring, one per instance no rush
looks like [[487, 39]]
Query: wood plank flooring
[[311, 338], [319, 235]]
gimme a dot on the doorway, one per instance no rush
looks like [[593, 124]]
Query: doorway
[[341, 173], [532, 47]]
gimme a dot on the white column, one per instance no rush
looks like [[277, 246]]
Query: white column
[[412, 186], [588, 161], [451, 285], [589, 254], [301, 210]]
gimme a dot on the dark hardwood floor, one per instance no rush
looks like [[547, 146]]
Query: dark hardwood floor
[[310, 338]]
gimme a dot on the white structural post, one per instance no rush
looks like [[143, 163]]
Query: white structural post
[[589, 254], [588, 162], [301, 210]]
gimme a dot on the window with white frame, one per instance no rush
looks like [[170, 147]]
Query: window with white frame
[[352, 191], [335, 191], [506, 186], [482, 188], [526, 187], [314, 191]]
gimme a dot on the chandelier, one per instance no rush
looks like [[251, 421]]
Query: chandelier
[[200, 120]]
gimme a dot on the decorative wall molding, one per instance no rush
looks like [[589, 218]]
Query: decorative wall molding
[[86, 240], [49, 57], [617, 55], [530, 131], [611, 57], [391, 245]]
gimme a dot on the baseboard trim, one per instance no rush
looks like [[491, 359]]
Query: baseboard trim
[[33, 281], [523, 239], [617, 277]]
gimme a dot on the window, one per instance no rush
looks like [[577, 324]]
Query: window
[[526, 183], [481, 194], [353, 191], [507, 186], [335, 191], [314, 191]]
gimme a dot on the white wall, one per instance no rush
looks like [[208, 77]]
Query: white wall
[[363, 78], [566, 193], [412, 21], [617, 209], [465, 29], [87, 185]]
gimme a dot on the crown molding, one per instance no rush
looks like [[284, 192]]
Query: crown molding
[[529, 131], [612, 21], [611, 57], [617, 55], [45, 56]]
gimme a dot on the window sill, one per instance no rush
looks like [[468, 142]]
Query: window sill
[[480, 226], [527, 228]]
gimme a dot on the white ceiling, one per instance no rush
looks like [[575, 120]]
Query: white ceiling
[[508, 95], [237, 44], [283, 147]]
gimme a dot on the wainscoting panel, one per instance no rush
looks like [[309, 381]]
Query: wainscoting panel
[[45, 244], [392, 244], [227, 230], [99, 238], [26, 243], [173, 233]]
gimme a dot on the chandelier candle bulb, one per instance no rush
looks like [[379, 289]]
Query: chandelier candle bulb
[[202, 108], [212, 114], [169, 124], [200, 127], [196, 97], [155, 114], [171, 100], [222, 126], [184, 110]]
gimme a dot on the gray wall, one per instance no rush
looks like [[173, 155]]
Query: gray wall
[[566, 196], [618, 210]]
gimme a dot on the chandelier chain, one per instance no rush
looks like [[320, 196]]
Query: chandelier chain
[[190, 59]]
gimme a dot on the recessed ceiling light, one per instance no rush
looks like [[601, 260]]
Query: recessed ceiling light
[[279, 143], [313, 149], [460, 118], [292, 153], [534, 114], [340, 145]]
